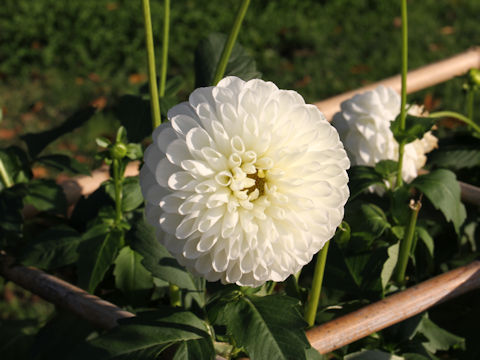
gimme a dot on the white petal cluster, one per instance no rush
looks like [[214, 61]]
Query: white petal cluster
[[364, 127], [245, 183]]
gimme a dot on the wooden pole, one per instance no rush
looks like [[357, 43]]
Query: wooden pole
[[418, 79], [98, 312], [395, 308]]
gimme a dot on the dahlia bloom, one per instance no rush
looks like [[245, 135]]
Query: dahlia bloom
[[245, 183], [364, 128]]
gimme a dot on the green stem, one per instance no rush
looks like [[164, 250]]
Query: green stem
[[154, 101], [314, 295], [403, 106], [455, 115], [470, 98], [406, 243], [4, 175], [175, 296], [117, 181], [227, 50], [166, 30]]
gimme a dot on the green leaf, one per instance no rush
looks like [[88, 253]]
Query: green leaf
[[64, 163], [442, 189], [16, 164], [46, 195], [361, 178], [389, 265], [438, 338], [387, 169], [131, 191], [11, 205], [456, 153], [426, 238], [268, 327], [372, 355], [99, 248], [207, 56], [16, 337], [160, 263], [415, 128], [375, 219], [312, 354], [38, 141], [53, 248], [134, 114], [131, 277], [143, 337], [198, 349]]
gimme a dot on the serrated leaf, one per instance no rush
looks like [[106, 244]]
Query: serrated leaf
[[375, 219], [372, 355], [198, 349], [438, 338], [268, 327], [53, 248], [38, 141], [361, 178], [415, 128], [46, 195], [456, 153], [207, 56], [160, 263], [442, 189], [64, 163], [143, 337], [131, 277], [99, 248], [389, 265], [386, 168]]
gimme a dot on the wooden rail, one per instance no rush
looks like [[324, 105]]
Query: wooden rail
[[325, 338], [418, 79]]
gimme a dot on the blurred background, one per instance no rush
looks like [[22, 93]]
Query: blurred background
[[56, 56]]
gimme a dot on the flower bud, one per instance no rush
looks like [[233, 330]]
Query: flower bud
[[118, 151]]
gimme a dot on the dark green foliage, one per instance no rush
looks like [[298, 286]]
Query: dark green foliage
[[267, 327], [207, 56], [64, 163], [46, 195], [38, 141], [415, 128]]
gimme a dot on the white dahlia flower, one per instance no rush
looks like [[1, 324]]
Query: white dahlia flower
[[364, 128], [245, 183]]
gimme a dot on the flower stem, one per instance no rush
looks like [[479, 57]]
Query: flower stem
[[117, 182], [453, 114], [166, 30], [470, 98], [4, 175], [403, 106], [406, 242], [314, 295], [154, 101], [227, 50]]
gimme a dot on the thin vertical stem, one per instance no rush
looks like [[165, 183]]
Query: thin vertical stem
[[470, 99], [403, 110], [117, 182], [406, 243], [4, 175], [314, 295], [227, 50], [152, 75], [166, 30]]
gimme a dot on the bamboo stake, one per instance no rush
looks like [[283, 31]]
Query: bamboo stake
[[395, 308], [100, 313], [325, 338], [418, 79]]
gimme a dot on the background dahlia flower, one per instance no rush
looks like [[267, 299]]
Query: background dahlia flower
[[364, 128], [245, 183]]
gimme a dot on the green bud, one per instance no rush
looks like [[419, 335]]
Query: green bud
[[474, 77], [118, 151]]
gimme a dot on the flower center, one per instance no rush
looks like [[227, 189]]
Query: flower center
[[259, 178]]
